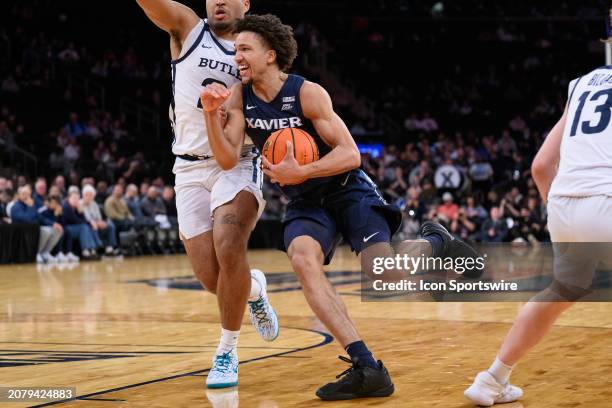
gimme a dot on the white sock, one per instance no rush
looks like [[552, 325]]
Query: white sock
[[228, 342], [255, 290], [500, 371]]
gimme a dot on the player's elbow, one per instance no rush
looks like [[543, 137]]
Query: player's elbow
[[227, 163], [539, 168], [354, 159]]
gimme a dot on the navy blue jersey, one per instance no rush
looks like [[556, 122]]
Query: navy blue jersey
[[284, 111]]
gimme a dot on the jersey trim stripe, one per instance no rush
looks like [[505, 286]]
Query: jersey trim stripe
[[255, 168], [173, 104], [216, 41], [193, 47], [572, 93]]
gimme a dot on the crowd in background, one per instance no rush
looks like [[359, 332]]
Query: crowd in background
[[92, 219], [459, 122]]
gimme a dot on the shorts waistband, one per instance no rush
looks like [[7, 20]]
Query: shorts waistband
[[195, 157]]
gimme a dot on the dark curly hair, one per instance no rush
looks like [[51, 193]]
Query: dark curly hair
[[276, 35]]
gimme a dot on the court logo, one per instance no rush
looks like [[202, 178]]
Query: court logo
[[277, 282]]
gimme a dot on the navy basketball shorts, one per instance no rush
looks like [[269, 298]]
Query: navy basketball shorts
[[353, 210]]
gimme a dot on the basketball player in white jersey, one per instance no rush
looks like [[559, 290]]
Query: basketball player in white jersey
[[203, 53], [573, 170]]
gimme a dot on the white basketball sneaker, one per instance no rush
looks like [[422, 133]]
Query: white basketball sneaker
[[49, 258], [61, 258], [72, 257], [486, 391], [261, 312], [224, 371]]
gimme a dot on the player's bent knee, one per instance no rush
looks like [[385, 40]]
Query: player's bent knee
[[305, 265], [562, 292], [300, 262], [208, 281]]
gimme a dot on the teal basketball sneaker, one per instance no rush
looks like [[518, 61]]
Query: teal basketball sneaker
[[261, 312], [224, 371]]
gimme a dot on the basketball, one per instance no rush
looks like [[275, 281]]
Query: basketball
[[305, 149]]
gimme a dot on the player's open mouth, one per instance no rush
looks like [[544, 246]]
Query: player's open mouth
[[243, 69]]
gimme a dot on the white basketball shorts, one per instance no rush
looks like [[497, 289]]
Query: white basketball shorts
[[203, 186], [581, 232]]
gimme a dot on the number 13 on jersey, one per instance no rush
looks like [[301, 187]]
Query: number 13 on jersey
[[602, 102]]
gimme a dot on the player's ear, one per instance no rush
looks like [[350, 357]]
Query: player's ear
[[246, 5], [271, 56]]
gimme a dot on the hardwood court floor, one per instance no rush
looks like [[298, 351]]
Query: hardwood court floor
[[138, 333]]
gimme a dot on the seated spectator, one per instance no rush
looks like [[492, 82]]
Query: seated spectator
[[74, 127], [481, 173], [60, 183], [92, 213], [415, 203], [414, 210], [102, 192], [462, 226], [11, 200], [50, 215], [144, 187], [495, 228], [88, 180], [54, 191], [24, 212], [40, 192], [398, 187], [6, 196], [475, 211], [77, 227], [153, 207], [170, 203], [117, 210], [449, 210], [133, 201]]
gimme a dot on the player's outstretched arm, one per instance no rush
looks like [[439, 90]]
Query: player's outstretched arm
[[317, 106], [546, 161], [225, 141], [171, 16]]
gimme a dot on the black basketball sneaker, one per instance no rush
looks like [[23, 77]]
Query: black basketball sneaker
[[452, 247], [358, 382]]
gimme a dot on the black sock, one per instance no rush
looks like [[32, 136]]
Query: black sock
[[359, 353], [437, 244]]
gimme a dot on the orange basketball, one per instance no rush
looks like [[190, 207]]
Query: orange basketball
[[305, 149]]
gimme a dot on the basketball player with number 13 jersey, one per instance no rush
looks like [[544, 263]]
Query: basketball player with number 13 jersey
[[573, 171]]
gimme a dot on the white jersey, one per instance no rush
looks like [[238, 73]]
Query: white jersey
[[204, 59], [585, 166]]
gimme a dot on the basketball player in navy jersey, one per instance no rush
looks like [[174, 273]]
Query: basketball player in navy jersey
[[573, 172], [203, 52], [328, 197]]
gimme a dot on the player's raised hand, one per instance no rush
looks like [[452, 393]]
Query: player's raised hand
[[287, 172], [213, 96]]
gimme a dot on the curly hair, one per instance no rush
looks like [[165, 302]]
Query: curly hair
[[276, 35]]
